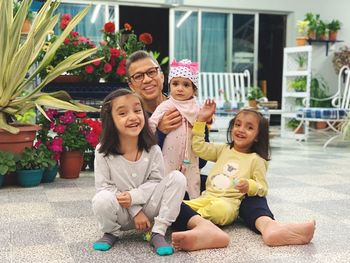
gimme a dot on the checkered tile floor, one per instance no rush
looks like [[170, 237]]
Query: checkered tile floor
[[54, 222]]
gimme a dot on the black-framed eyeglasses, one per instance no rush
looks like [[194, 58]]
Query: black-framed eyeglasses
[[151, 73]]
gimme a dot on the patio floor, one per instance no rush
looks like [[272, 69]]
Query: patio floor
[[54, 222]]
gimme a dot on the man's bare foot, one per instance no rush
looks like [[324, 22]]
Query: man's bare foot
[[203, 234], [282, 234]]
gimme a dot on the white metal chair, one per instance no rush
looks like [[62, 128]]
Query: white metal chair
[[333, 116], [221, 86]]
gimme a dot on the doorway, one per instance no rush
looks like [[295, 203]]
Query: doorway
[[272, 40]]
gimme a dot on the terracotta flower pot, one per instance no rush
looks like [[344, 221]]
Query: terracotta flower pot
[[16, 143], [301, 41], [70, 164]]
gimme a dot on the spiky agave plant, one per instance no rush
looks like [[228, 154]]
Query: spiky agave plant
[[17, 72]]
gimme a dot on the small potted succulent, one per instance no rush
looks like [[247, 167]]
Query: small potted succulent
[[7, 165]]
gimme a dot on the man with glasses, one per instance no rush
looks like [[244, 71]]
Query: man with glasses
[[146, 79]]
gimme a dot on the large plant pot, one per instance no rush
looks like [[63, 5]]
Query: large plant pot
[[70, 164], [49, 174], [16, 143], [29, 178]]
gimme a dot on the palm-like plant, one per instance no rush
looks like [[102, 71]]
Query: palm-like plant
[[17, 58]]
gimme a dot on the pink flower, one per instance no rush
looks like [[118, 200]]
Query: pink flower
[[59, 128], [75, 43], [103, 43], [89, 69], [51, 113], [64, 24], [68, 117], [66, 17], [107, 68], [56, 145], [82, 39]]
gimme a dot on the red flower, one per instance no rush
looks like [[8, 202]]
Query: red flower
[[127, 27], [121, 70], [107, 68], [89, 69], [75, 43], [115, 52], [64, 24], [74, 34], [80, 114], [146, 38], [66, 17], [97, 62], [66, 41], [109, 27]]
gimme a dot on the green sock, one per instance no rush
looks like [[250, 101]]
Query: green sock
[[160, 245], [105, 242]]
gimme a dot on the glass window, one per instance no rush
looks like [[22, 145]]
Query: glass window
[[214, 42], [186, 39], [91, 24], [243, 43]]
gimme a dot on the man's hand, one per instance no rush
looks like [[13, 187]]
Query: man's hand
[[242, 186], [141, 222], [206, 112], [171, 120], [124, 199]]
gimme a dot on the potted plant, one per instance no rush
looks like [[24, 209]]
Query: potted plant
[[333, 28], [345, 129], [17, 78], [29, 17], [114, 50], [70, 135], [322, 30], [31, 165], [51, 170], [298, 84], [93, 138], [301, 60], [319, 98], [7, 165], [294, 125], [313, 24], [72, 44], [254, 93], [303, 27]]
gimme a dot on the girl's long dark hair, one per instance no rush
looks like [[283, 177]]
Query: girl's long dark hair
[[110, 140], [262, 145]]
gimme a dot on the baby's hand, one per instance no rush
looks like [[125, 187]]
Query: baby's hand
[[242, 185]]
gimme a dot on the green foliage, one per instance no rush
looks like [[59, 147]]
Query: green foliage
[[17, 60], [32, 158], [314, 21], [255, 93], [27, 117], [298, 84], [7, 163], [319, 91], [334, 25], [301, 60], [293, 123], [16, 6]]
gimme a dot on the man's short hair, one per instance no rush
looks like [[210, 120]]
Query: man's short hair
[[139, 55]]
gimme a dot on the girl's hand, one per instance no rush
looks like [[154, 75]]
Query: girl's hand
[[171, 120], [242, 186], [141, 222], [206, 112], [124, 199]]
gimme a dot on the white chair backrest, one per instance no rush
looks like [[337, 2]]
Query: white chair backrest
[[215, 84], [342, 97]]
